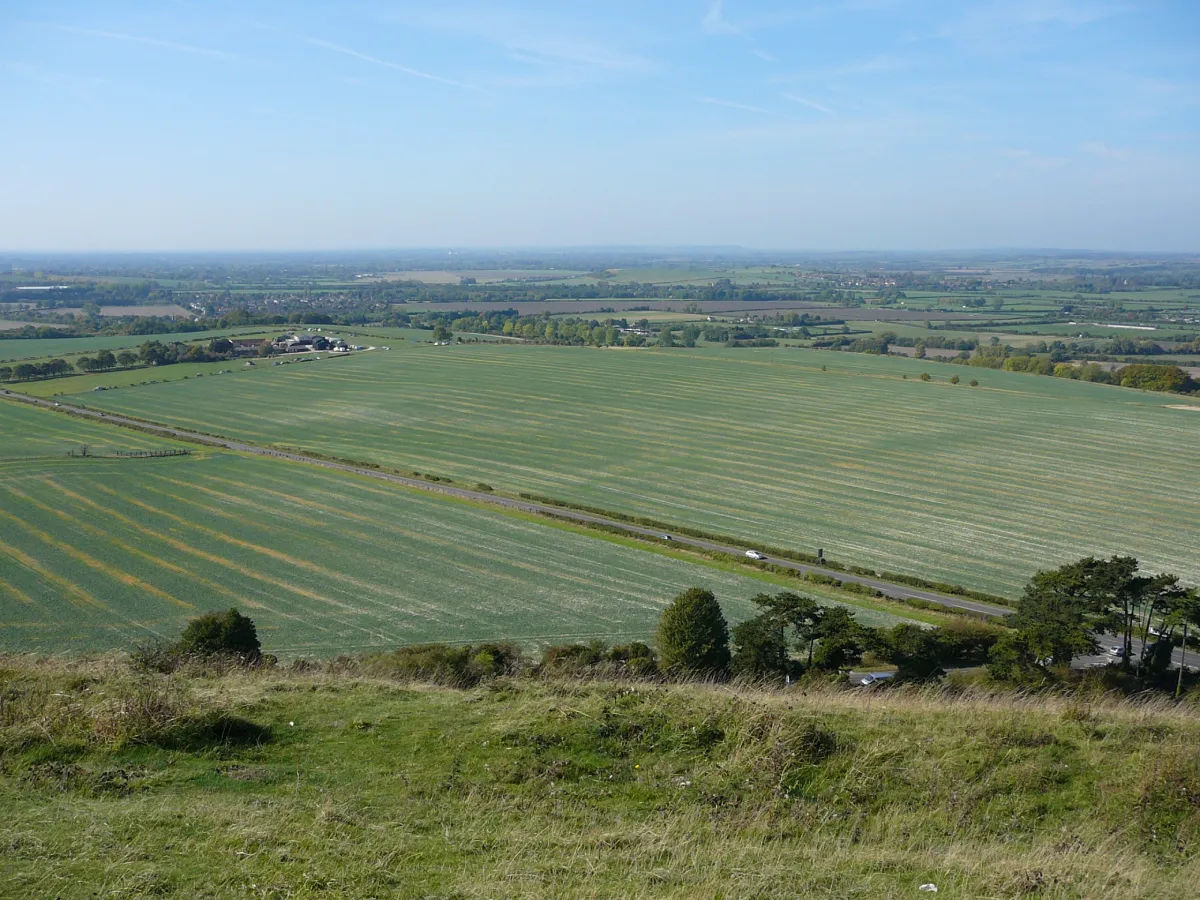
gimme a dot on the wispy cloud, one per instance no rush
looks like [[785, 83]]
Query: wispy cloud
[[714, 21], [536, 42], [79, 85], [1033, 160], [713, 101], [408, 70], [804, 101], [876, 65], [1101, 149], [762, 54], [138, 39], [1002, 24], [1061, 12]]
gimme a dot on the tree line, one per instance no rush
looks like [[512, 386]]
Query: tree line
[[150, 353]]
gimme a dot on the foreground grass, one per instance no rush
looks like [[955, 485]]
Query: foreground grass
[[286, 784]]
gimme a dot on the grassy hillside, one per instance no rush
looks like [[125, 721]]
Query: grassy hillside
[[102, 553], [977, 485], [284, 784]]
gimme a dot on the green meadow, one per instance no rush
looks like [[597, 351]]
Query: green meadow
[[846, 452]]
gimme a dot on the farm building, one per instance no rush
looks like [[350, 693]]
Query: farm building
[[292, 343]]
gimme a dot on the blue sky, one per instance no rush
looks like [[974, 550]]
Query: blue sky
[[859, 124]]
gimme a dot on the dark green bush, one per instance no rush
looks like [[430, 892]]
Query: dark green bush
[[215, 638], [213, 634]]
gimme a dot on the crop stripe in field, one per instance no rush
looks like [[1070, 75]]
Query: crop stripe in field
[[91, 562], [515, 559], [383, 529], [108, 537], [223, 561], [279, 556], [388, 528], [130, 523], [67, 587], [11, 589]]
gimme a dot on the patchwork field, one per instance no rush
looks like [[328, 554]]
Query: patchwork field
[[104, 552], [845, 452]]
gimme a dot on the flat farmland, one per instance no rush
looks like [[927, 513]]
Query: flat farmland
[[846, 452], [104, 553]]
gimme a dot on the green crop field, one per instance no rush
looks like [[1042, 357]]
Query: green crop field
[[104, 552], [981, 485]]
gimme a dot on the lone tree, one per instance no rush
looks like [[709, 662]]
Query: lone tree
[[693, 636], [215, 634]]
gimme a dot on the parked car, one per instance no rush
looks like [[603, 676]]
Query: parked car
[[875, 677], [754, 554]]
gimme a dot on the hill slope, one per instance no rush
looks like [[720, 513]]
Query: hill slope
[[316, 784]]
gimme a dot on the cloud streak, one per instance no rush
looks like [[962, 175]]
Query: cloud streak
[[804, 101], [729, 104], [138, 39], [408, 70], [536, 43]]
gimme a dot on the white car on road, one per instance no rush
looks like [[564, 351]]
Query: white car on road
[[754, 554]]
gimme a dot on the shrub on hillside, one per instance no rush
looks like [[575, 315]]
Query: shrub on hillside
[[692, 635], [227, 633], [224, 638], [462, 667], [597, 658]]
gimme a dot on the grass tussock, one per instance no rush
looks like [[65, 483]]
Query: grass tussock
[[338, 780]]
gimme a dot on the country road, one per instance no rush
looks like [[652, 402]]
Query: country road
[[895, 591]]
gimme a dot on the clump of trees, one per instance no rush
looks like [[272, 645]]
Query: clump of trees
[[1065, 612], [794, 635]]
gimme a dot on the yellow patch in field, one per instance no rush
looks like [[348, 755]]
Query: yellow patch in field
[[221, 560], [90, 561], [15, 591], [67, 587]]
